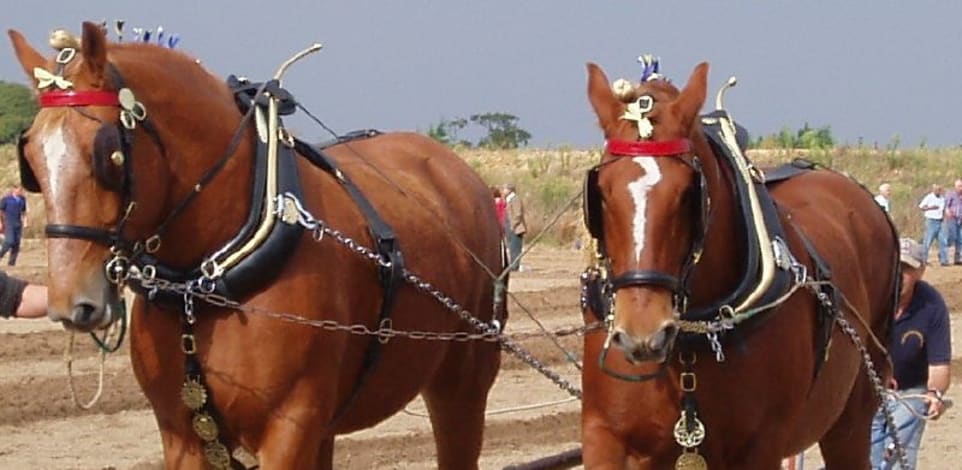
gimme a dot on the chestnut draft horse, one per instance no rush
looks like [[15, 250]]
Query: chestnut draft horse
[[773, 394], [279, 389]]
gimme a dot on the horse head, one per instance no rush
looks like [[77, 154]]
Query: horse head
[[649, 204], [105, 167]]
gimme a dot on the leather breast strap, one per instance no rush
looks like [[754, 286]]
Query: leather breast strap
[[386, 244]]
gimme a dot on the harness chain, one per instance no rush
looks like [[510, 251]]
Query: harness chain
[[880, 390], [202, 290]]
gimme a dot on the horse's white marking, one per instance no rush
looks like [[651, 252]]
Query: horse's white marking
[[54, 145], [639, 193]]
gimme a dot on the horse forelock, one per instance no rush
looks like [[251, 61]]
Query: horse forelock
[[661, 90]]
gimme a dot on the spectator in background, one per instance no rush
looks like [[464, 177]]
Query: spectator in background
[[883, 198], [952, 221], [933, 209], [500, 207], [921, 350], [13, 209], [515, 226]]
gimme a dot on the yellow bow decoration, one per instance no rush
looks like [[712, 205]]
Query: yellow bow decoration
[[637, 111], [45, 79]]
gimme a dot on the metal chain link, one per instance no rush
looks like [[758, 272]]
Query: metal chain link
[[873, 376], [506, 343], [487, 331], [385, 333]]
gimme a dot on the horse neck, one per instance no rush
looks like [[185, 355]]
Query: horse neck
[[196, 118], [717, 273]]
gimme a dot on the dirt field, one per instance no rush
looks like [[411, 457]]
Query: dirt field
[[41, 428]]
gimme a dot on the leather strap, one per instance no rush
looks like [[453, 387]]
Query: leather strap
[[387, 245], [53, 99], [104, 237], [646, 277], [646, 148]]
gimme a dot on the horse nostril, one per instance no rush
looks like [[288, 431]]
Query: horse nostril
[[83, 312], [620, 339], [663, 338]]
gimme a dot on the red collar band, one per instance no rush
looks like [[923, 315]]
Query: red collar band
[[54, 99], [625, 148]]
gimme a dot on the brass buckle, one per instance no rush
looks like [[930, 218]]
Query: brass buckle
[[688, 381]]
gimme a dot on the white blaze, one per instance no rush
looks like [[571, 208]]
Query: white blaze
[[639, 193], [54, 145]]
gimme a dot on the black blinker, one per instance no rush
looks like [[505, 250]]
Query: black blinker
[[28, 179], [109, 174]]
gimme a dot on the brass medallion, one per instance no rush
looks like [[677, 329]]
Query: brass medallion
[[688, 439], [217, 455], [205, 427], [690, 461], [193, 394]]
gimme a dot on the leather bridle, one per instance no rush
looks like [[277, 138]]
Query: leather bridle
[[131, 113], [676, 149]]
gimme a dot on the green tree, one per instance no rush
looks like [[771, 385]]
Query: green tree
[[446, 131], [811, 138], [807, 137], [17, 108], [502, 129]]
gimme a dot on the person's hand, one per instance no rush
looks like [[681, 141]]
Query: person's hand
[[936, 405]]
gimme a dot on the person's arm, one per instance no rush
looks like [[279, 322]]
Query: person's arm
[[939, 382], [11, 295], [33, 303], [938, 349]]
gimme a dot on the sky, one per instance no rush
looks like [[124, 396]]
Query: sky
[[873, 70]]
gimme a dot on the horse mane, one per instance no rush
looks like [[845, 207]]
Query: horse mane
[[184, 78]]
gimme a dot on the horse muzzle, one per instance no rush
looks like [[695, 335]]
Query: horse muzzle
[[654, 348], [87, 314]]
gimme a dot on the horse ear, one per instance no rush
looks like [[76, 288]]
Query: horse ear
[[689, 103], [603, 100], [94, 49], [28, 56]]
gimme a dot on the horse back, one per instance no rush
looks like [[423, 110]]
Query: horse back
[[440, 210], [852, 234]]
